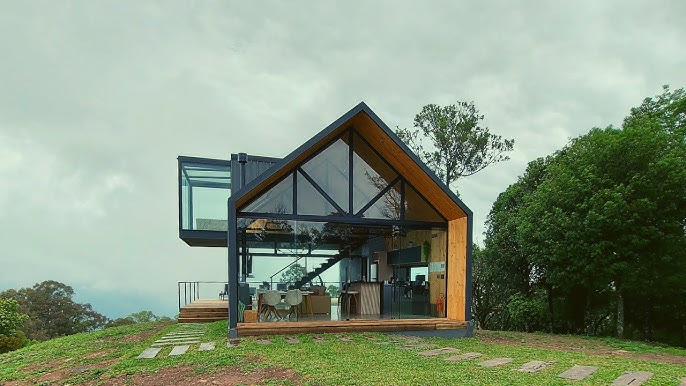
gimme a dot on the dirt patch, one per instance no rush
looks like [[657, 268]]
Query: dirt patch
[[572, 344], [100, 354], [227, 375]]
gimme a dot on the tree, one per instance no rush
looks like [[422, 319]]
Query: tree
[[11, 321], [599, 228], [52, 312], [459, 146], [333, 290], [138, 317], [294, 273]]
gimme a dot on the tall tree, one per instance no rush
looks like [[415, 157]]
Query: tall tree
[[52, 311], [459, 145], [11, 321]]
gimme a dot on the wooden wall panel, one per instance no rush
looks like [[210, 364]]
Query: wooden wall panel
[[437, 280], [457, 268]]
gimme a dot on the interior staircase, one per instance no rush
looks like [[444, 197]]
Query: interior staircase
[[319, 270]]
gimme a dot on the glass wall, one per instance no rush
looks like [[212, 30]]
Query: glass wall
[[205, 187]]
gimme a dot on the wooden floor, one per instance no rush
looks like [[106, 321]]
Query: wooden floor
[[203, 311]]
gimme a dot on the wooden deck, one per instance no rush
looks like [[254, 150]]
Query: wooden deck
[[205, 311], [357, 325]]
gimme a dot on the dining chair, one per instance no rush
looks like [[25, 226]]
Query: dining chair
[[270, 300], [293, 299]]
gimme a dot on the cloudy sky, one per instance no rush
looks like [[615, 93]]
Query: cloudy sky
[[98, 98]]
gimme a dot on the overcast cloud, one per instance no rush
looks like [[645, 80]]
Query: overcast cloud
[[98, 98]]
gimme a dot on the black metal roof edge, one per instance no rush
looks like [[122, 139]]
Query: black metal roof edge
[[361, 107], [185, 158], [297, 152], [416, 159], [260, 158]]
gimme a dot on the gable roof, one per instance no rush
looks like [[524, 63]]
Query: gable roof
[[386, 142]]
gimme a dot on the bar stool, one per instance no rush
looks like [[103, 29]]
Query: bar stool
[[348, 297]]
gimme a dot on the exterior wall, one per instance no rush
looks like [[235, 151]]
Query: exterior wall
[[457, 269]]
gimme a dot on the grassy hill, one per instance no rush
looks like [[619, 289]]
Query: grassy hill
[[109, 357]]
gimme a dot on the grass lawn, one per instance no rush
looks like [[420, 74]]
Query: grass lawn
[[109, 357]]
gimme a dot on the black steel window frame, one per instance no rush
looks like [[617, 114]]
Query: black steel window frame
[[351, 133]]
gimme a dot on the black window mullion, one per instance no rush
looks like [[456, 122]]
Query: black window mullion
[[295, 192], [402, 200], [322, 192], [378, 196]]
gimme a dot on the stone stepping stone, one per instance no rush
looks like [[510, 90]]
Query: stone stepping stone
[[264, 341], [578, 373], [345, 339], [292, 340], [206, 346], [632, 378], [462, 357], [370, 337], [383, 343], [534, 366], [439, 351], [232, 343], [174, 343], [175, 339], [422, 346], [185, 334], [496, 362], [149, 353], [318, 339], [178, 350], [683, 382]]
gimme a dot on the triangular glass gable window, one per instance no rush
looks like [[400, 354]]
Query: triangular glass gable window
[[329, 169], [387, 206], [310, 202], [417, 209], [278, 199], [371, 174]]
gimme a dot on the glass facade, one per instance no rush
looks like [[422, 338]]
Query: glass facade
[[392, 234], [205, 187]]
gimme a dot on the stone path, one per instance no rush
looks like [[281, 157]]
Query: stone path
[[533, 366], [178, 350], [181, 339], [578, 373], [149, 353], [465, 356], [632, 378], [439, 351], [496, 362], [318, 339]]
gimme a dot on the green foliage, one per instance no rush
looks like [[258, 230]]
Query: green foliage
[[52, 312], [333, 290], [294, 273], [138, 317], [459, 145], [10, 319], [598, 228], [13, 341]]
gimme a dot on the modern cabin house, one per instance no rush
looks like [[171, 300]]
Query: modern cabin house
[[353, 209]]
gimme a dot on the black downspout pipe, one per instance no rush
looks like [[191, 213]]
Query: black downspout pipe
[[232, 242]]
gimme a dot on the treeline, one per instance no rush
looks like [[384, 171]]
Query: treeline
[[47, 310], [592, 239]]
